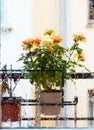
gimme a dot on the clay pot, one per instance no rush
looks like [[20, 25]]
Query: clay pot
[[50, 98], [11, 109]]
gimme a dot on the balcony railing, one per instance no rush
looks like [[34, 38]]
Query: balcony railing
[[35, 102]]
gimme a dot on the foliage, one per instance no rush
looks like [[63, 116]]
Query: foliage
[[46, 61]]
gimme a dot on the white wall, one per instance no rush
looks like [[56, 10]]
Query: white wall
[[20, 19], [79, 23], [77, 20], [45, 15]]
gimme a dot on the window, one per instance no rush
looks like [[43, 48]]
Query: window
[[91, 10], [3, 17], [91, 13], [91, 106]]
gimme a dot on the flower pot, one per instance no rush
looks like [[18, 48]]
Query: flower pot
[[50, 98], [11, 109]]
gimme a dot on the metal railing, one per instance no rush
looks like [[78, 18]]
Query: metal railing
[[35, 102]]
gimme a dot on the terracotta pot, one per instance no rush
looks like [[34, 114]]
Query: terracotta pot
[[11, 109], [51, 97]]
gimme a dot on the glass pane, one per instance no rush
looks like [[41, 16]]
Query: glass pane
[[91, 12]]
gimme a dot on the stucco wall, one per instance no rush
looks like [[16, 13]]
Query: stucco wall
[[77, 23], [45, 15], [79, 16], [18, 13]]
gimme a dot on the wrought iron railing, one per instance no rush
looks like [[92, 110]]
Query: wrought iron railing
[[35, 102]]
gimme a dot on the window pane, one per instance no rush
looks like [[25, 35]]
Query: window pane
[[91, 12]]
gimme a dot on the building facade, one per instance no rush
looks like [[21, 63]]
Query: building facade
[[26, 18]]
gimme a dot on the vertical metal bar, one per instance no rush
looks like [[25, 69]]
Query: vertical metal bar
[[62, 88], [75, 114]]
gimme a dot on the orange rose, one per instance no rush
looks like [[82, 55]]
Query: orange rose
[[56, 38], [28, 41], [37, 41]]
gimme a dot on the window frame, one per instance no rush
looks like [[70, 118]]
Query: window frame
[[90, 20], [3, 17], [91, 106]]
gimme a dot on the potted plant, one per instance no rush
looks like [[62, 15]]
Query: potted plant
[[11, 105], [46, 61]]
